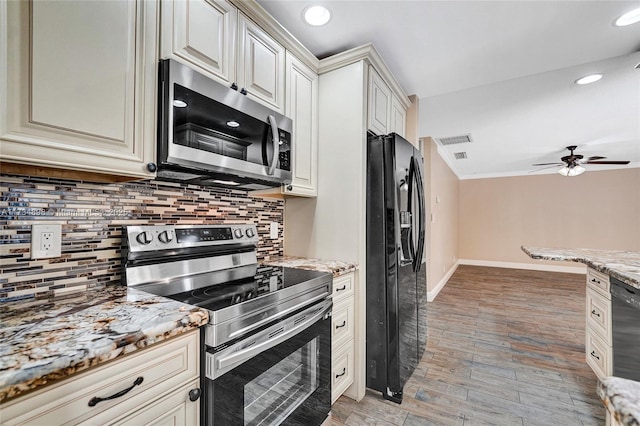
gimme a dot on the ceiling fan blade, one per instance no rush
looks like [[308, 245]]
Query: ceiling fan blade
[[596, 157], [607, 162], [549, 164], [545, 168]]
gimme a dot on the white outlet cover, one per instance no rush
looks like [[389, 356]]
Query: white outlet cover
[[273, 231], [38, 250]]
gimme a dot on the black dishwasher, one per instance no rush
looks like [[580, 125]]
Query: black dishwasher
[[625, 316]]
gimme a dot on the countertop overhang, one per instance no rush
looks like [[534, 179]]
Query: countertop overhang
[[623, 265], [46, 340]]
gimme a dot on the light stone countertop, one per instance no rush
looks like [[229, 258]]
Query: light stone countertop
[[622, 399], [335, 267], [46, 340], [623, 265]]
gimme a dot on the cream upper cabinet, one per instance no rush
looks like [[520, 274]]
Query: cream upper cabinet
[[398, 117], [261, 64], [203, 34], [379, 103], [302, 108], [80, 85], [221, 42]]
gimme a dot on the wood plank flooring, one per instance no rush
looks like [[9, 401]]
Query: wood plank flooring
[[505, 347]]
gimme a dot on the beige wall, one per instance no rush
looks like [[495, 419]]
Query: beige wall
[[599, 209], [442, 220]]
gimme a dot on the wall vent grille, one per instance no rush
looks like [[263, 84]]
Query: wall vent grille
[[460, 155], [452, 140]]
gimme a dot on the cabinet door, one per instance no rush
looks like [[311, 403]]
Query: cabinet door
[[302, 108], [379, 103], [80, 86], [201, 33], [398, 117], [261, 65]]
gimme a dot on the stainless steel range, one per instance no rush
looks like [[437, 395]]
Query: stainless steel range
[[267, 348]]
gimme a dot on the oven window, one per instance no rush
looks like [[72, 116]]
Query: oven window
[[276, 393]]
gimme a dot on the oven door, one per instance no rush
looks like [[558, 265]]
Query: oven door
[[280, 375]]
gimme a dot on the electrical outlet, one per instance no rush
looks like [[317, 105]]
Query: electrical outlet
[[46, 241], [273, 230]]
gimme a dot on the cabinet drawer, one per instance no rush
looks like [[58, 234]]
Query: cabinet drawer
[[174, 409], [599, 315], [599, 282], [162, 368], [342, 371], [342, 286], [599, 355], [342, 322]]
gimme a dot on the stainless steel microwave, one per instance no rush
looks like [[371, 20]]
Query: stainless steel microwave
[[210, 134]]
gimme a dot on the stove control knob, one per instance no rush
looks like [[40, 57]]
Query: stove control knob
[[165, 237], [250, 233], [238, 233], [144, 238]]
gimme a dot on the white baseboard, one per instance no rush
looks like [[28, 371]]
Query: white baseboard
[[581, 269], [431, 295]]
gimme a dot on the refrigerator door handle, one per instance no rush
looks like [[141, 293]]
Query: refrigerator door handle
[[421, 215]]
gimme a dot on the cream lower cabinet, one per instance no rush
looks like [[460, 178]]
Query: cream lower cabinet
[[160, 377], [342, 335], [79, 85], [223, 43], [598, 344]]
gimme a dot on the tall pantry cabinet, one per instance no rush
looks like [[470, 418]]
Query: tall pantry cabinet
[[354, 98]]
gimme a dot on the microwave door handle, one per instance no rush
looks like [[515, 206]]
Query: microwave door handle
[[276, 145]]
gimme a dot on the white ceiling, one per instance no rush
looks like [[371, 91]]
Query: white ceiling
[[500, 70]]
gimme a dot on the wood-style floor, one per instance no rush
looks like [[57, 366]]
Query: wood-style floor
[[505, 347]]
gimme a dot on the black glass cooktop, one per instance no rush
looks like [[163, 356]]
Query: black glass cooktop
[[268, 279]]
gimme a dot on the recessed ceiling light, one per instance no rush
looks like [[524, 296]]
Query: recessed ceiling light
[[180, 104], [628, 18], [233, 123], [591, 78], [316, 15]]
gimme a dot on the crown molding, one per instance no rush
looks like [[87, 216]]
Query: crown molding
[[369, 54]]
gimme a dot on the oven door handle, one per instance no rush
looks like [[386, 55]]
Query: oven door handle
[[285, 312], [248, 353]]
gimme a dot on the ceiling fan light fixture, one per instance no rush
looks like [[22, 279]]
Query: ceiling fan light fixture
[[588, 79], [316, 15], [628, 18], [571, 171]]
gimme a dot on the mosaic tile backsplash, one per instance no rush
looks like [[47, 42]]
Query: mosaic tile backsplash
[[92, 216]]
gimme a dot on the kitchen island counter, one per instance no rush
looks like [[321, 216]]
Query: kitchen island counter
[[46, 340], [623, 265], [337, 268], [622, 399]]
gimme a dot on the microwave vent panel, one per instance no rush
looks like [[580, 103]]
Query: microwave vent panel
[[453, 140]]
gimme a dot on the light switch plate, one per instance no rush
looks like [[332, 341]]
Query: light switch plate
[[46, 241]]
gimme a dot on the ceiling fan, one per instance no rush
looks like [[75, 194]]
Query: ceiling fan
[[572, 163]]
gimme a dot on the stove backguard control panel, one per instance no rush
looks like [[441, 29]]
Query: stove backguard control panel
[[148, 238]]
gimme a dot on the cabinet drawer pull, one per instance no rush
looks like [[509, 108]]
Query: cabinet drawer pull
[[341, 325], [593, 312], [593, 280], [593, 354], [95, 400], [344, 287], [344, 371]]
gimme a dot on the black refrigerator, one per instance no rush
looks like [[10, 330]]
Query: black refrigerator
[[395, 273]]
